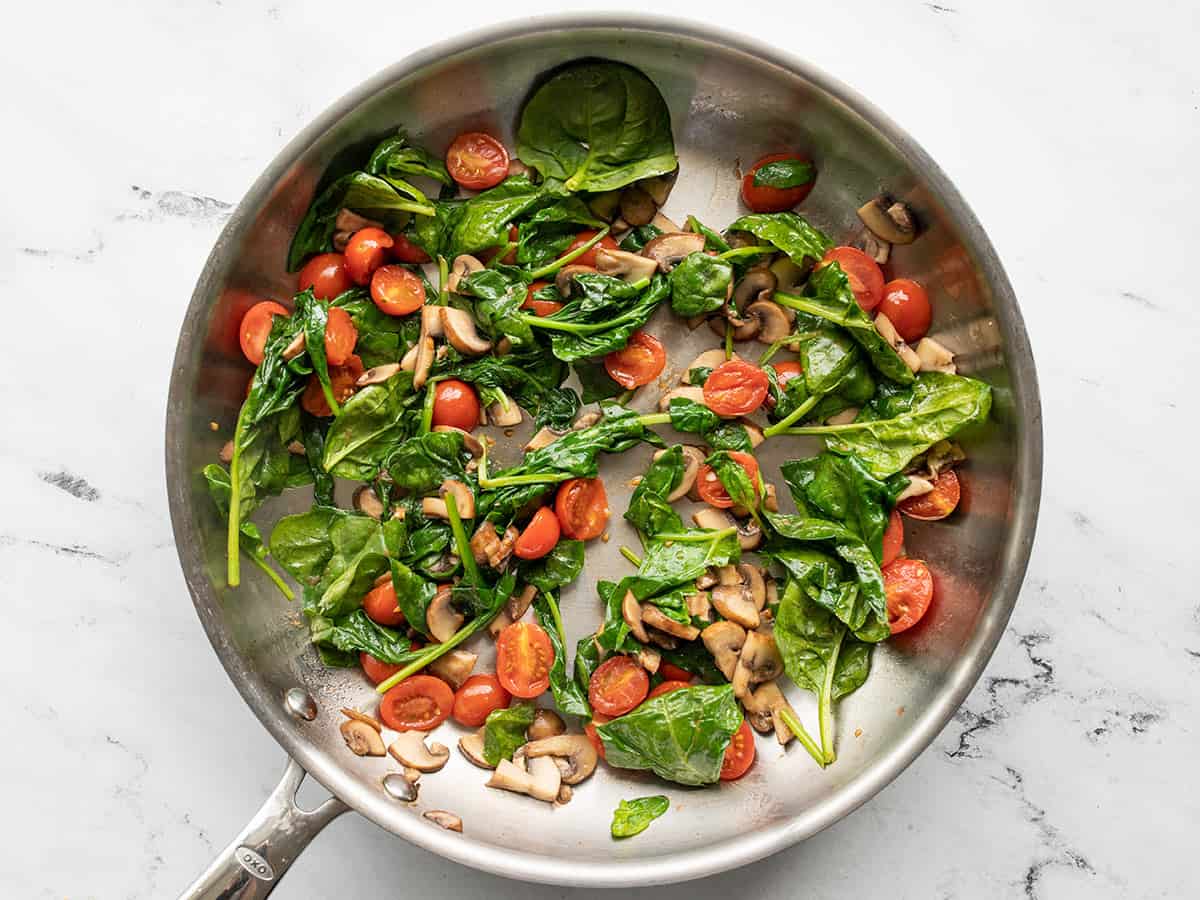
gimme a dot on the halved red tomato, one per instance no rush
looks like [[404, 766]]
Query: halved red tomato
[[582, 508], [710, 488], [938, 503], [540, 535], [893, 537], [739, 755], [617, 686], [735, 388], [477, 161], [909, 588], [397, 291], [524, 656], [639, 362], [340, 336], [766, 199], [421, 703], [256, 328], [326, 274], [863, 273]]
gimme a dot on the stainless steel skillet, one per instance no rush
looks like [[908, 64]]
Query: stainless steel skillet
[[730, 99]]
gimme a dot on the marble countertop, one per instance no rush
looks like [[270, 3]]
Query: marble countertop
[[1072, 128]]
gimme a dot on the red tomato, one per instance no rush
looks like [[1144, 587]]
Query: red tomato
[[588, 258], [735, 388], [938, 503], [341, 379], [397, 291], [376, 669], [864, 274], [479, 695], [340, 336], [539, 536], [256, 328], [590, 730], [327, 276], [673, 673], [786, 371], [893, 537], [907, 305], [455, 403], [540, 307], [666, 687], [365, 252], [709, 486], [405, 251], [739, 755], [421, 703], [764, 199], [582, 508], [909, 588], [380, 605], [524, 656], [617, 686], [639, 362], [477, 161]]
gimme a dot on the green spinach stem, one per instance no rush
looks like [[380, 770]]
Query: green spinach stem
[[801, 733], [443, 281], [233, 575], [794, 416], [470, 567], [631, 556], [825, 702], [728, 340], [551, 324], [436, 651], [696, 537], [273, 575], [513, 480], [565, 259], [770, 352], [655, 419], [738, 252]]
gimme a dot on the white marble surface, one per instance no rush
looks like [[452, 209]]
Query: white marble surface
[[1073, 130]]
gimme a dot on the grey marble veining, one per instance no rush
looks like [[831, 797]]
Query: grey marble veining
[[1072, 128]]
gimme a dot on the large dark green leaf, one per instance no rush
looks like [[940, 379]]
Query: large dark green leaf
[[787, 231], [556, 569], [371, 423], [809, 637], [601, 320], [424, 461], [395, 157], [700, 284], [357, 633], [483, 221], [413, 595], [649, 512]]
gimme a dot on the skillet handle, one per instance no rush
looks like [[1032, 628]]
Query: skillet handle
[[257, 859]]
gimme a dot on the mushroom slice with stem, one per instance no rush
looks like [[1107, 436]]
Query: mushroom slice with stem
[[462, 266], [916, 487], [712, 518], [410, 749], [471, 746], [462, 333], [754, 580], [431, 321], [870, 244], [442, 619], [629, 267], [649, 659], [655, 618], [471, 443], [888, 221], [444, 819], [362, 739], [637, 206], [518, 604], [508, 776], [935, 358], [693, 458], [728, 575], [377, 374], [464, 500], [659, 188], [724, 640], [709, 359], [669, 250], [699, 606], [631, 612], [423, 362], [545, 778], [359, 716], [576, 749], [662, 639], [455, 667], [498, 624], [504, 416], [707, 580], [757, 284], [543, 438], [366, 501], [564, 281], [759, 661], [734, 602], [484, 543], [763, 706], [664, 224], [695, 393], [752, 431], [408, 362], [773, 320], [546, 724], [889, 333]]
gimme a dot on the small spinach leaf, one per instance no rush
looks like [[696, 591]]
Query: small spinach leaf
[[356, 633], [634, 816], [785, 173], [700, 284], [504, 731], [787, 231]]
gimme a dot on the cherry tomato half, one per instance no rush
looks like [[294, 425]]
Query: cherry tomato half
[[340, 336], [341, 380], [479, 695], [405, 251], [639, 362], [938, 503], [524, 656], [582, 508], [376, 669], [864, 274], [397, 291], [786, 371], [590, 730], [739, 755], [365, 252], [710, 488], [327, 276], [907, 305], [588, 258], [539, 536], [671, 672], [540, 307], [893, 537], [477, 160], [735, 388], [763, 199], [380, 605], [617, 686], [256, 328], [421, 703], [909, 588], [455, 403], [666, 687]]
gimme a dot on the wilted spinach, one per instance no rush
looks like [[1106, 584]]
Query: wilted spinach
[[785, 173], [634, 816], [787, 231], [356, 633], [569, 696], [548, 232], [637, 238], [372, 422], [395, 157], [504, 731], [701, 284], [424, 461], [720, 434], [603, 316], [556, 569]]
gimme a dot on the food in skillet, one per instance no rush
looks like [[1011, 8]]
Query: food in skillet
[[424, 313]]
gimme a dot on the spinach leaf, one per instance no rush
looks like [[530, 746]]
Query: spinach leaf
[[314, 315], [712, 240], [569, 696], [597, 384], [596, 126], [424, 461], [634, 816], [483, 221], [637, 238], [499, 293], [902, 423], [413, 595], [784, 174], [556, 569], [680, 736], [532, 378], [548, 232], [742, 491], [504, 731], [700, 284], [602, 318], [649, 512], [396, 158], [314, 430], [382, 338], [371, 423], [357, 633], [690, 416], [674, 562], [587, 660], [787, 231]]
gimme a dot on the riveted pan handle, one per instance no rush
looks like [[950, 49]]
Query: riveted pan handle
[[257, 859]]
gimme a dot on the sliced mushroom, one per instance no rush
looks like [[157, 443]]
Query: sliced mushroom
[[669, 250], [728, 575], [470, 442], [724, 641], [629, 267], [759, 661], [504, 416], [661, 639], [564, 794], [693, 458], [564, 281], [544, 438], [462, 266], [916, 487], [604, 205], [464, 500], [444, 819], [659, 187], [226, 454], [296, 347], [941, 455], [772, 590], [698, 605], [935, 358], [431, 321], [631, 612], [707, 580], [744, 329], [461, 332], [654, 617], [442, 619], [764, 705], [752, 577], [737, 239], [576, 749], [637, 207], [888, 221], [511, 777], [663, 224], [360, 716], [454, 668], [771, 500], [875, 248], [733, 602], [889, 333], [471, 746], [484, 542], [587, 420], [845, 417], [545, 778], [294, 447], [709, 359], [757, 284], [408, 362], [715, 519], [377, 374], [749, 535], [787, 273], [362, 739], [773, 320], [423, 362], [518, 604], [410, 749], [346, 223], [649, 659], [546, 724], [498, 624], [693, 393], [366, 501]]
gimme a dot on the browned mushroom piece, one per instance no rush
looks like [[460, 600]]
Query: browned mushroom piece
[[408, 362], [631, 612], [459, 327], [757, 284], [366, 501], [934, 357], [464, 501], [576, 749], [659, 189], [771, 500], [360, 716], [662, 639], [484, 542], [441, 618], [695, 393], [649, 659], [462, 266], [296, 347], [377, 374], [870, 244], [362, 739], [735, 603], [546, 724], [739, 239], [752, 577], [630, 267], [693, 458], [504, 416], [444, 819], [564, 281], [759, 661], [471, 746], [888, 332], [423, 362], [518, 604], [889, 221], [604, 205], [707, 580], [664, 224], [454, 668], [774, 323], [655, 618], [637, 207], [699, 606], [764, 706], [724, 641], [410, 749], [669, 250], [226, 454], [543, 438]]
